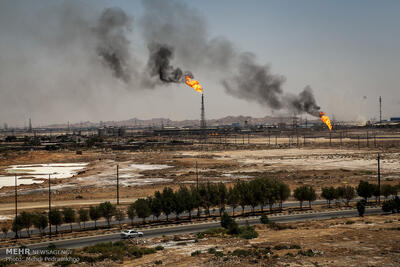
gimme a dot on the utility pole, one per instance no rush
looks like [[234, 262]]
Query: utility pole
[[379, 178], [197, 177], [380, 109], [117, 184], [49, 209], [16, 208]]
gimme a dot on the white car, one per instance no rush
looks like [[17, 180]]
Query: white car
[[131, 234]]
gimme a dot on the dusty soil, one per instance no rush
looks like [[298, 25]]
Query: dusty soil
[[368, 241], [339, 242]]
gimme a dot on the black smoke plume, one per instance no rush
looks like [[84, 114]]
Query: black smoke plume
[[113, 46], [303, 102], [255, 82], [159, 64]]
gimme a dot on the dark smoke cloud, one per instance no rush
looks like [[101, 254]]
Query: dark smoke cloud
[[255, 82], [172, 28], [113, 46], [173, 31], [303, 102], [159, 64]]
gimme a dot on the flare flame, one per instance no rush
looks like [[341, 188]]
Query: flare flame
[[194, 84], [326, 120]]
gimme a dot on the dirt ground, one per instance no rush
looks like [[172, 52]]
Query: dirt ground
[[368, 241]]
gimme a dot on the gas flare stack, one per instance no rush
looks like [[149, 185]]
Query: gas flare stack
[[203, 129]]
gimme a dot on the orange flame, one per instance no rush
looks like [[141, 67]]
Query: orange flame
[[194, 84], [326, 120]]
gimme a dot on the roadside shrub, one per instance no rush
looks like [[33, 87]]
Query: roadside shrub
[[264, 219], [294, 246], [361, 208], [158, 262], [159, 247]]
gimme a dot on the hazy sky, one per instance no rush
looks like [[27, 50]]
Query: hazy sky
[[347, 51]]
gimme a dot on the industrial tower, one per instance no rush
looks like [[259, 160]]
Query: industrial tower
[[203, 119]]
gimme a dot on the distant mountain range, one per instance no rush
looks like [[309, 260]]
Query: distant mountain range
[[159, 122]]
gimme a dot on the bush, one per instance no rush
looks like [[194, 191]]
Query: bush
[[264, 219], [195, 253], [211, 250], [212, 232], [280, 247], [295, 246], [308, 253], [248, 232], [159, 247], [241, 253], [158, 262], [389, 206], [219, 254], [350, 222]]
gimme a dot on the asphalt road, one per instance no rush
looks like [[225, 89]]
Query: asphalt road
[[196, 227]]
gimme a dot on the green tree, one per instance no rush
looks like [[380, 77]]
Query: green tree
[[376, 192], [329, 193], [142, 208], [226, 220], [388, 190], [156, 205], [107, 210], [17, 226], [26, 221], [131, 212], [196, 199], [40, 221], [168, 202], [229, 223], [119, 216], [222, 197], [347, 193], [243, 192], [233, 199], [69, 216], [259, 189], [179, 205], [83, 216], [283, 193], [212, 194], [300, 194], [365, 190], [271, 193], [255, 193], [95, 214], [187, 199], [56, 218], [310, 195]]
